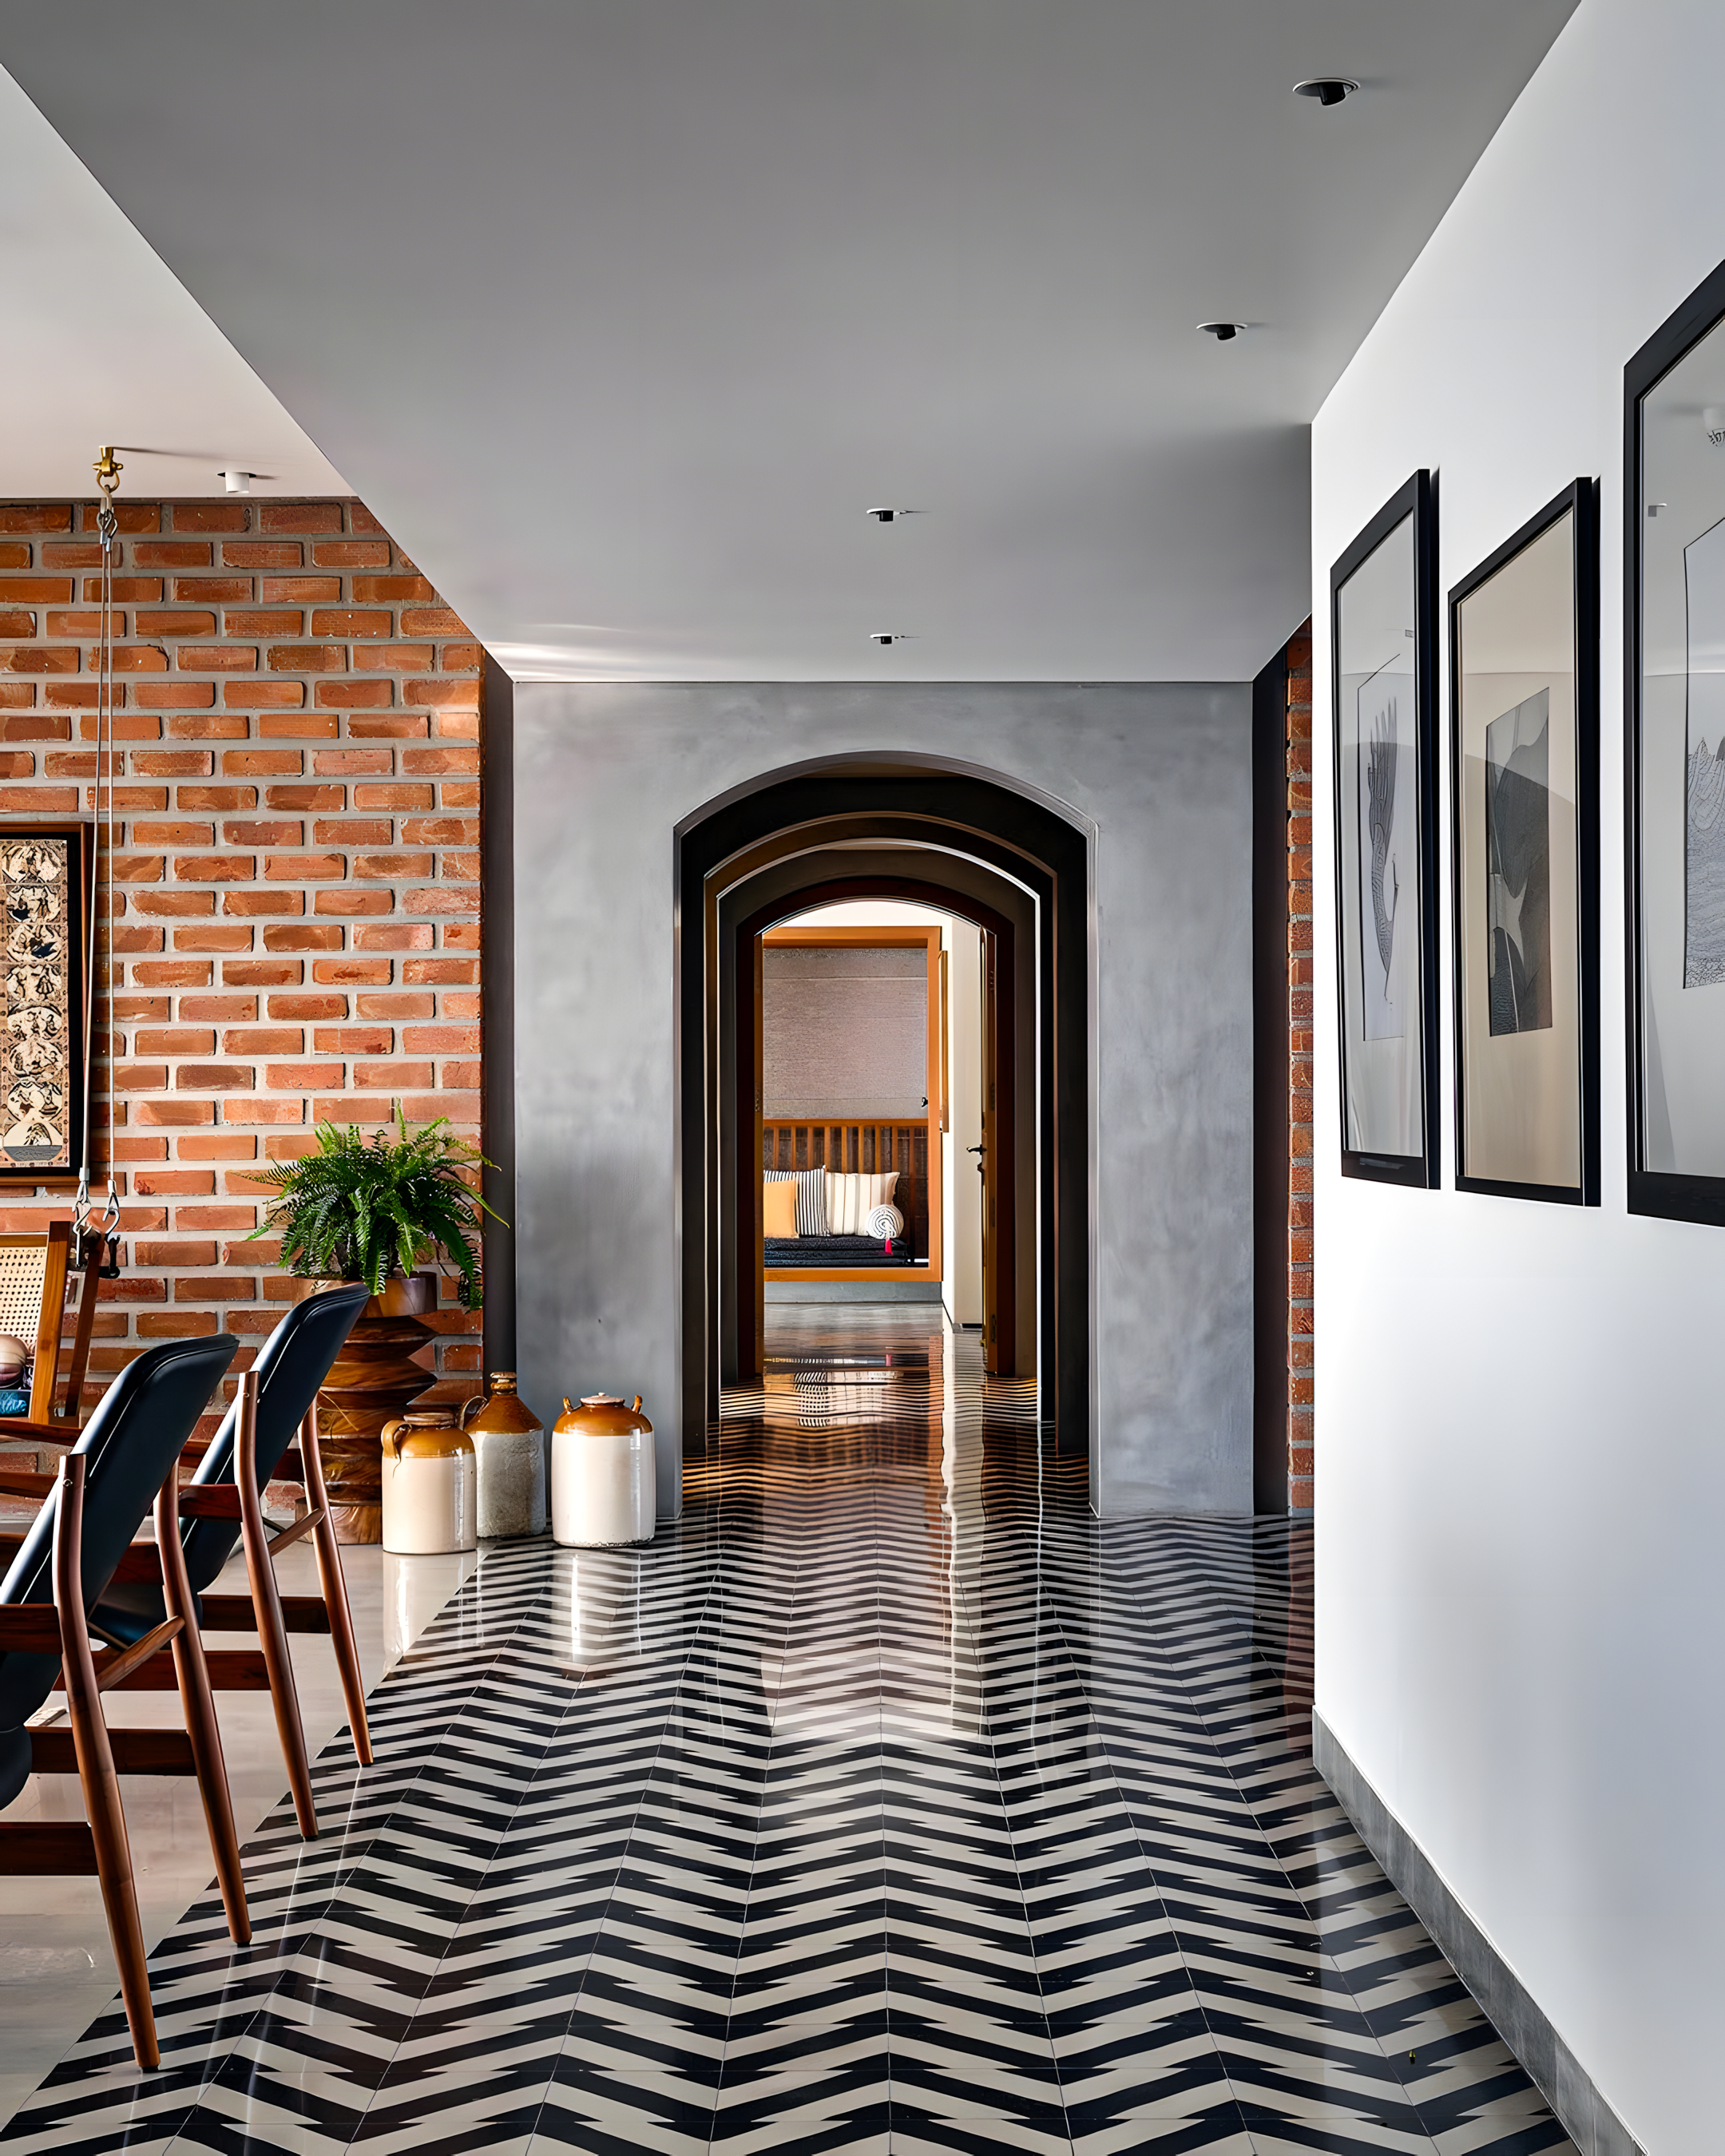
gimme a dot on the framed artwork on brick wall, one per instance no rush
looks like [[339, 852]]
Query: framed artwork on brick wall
[[45, 884], [1524, 696], [1674, 652], [1384, 646]]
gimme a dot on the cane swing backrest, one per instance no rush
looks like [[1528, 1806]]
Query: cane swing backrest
[[34, 1272], [23, 1268]]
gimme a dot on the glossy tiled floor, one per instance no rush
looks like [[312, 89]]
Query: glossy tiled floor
[[56, 1966], [887, 1803]]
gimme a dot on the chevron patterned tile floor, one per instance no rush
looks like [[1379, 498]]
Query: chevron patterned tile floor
[[885, 1803]]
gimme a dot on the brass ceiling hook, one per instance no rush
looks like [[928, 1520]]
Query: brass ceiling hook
[[107, 468]]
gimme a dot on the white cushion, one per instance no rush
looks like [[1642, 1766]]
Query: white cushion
[[850, 1199], [886, 1221]]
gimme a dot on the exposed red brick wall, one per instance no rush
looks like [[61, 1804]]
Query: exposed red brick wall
[[297, 929], [1299, 770]]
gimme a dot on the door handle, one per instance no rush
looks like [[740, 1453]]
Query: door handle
[[976, 1149]]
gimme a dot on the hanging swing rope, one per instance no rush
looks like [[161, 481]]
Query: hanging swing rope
[[107, 468]]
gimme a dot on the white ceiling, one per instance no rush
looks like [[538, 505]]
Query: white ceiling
[[102, 343], [621, 313]]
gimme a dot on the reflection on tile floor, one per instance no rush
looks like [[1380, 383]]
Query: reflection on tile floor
[[885, 1803]]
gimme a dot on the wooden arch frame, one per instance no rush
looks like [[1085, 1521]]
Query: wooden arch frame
[[959, 814], [740, 1193]]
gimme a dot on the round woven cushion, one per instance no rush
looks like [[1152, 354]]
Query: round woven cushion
[[885, 1221]]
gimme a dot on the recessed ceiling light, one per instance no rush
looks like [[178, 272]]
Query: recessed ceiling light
[[892, 515], [889, 635], [1223, 332], [236, 482], [1326, 89]]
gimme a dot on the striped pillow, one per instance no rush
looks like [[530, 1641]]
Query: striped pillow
[[850, 1199], [886, 1222], [811, 1197]]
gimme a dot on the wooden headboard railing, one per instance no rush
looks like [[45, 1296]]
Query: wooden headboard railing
[[846, 1148]]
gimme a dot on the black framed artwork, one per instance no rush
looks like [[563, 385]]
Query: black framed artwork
[[1524, 696], [1673, 653], [1383, 647], [45, 887]]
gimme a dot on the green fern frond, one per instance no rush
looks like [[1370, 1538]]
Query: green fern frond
[[364, 1208]]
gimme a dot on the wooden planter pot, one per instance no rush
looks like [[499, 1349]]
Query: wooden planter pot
[[374, 1382]]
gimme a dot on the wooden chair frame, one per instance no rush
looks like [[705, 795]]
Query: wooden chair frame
[[98, 1755], [264, 1608]]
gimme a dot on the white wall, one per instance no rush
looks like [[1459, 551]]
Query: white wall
[[1521, 1468]]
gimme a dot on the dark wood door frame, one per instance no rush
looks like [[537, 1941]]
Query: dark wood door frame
[[771, 873], [497, 1010], [764, 877], [1025, 840], [999, 1301], [742, 1196], [1270, 1081]]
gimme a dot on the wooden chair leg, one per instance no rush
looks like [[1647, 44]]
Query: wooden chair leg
[[266, 1609], [97, 1776], [202, 1730], [332, 1579]]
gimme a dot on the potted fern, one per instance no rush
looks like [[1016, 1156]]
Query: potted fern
[[369, 1209], [373, 1209]]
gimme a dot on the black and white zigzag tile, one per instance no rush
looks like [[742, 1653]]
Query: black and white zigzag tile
[[887, 1803]]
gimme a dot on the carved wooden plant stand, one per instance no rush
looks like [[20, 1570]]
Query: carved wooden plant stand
[[374, 1382]]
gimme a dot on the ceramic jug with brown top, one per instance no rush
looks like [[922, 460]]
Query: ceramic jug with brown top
[[509, 1443], [602, 1478], [430, 1485]]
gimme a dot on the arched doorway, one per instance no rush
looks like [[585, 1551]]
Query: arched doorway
[[968, 835], [1005, 912]]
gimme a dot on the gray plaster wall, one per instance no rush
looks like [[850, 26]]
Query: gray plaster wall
[[1160, 774]]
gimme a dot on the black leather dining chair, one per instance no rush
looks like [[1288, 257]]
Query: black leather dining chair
[[126, 1459], [223, 1506]]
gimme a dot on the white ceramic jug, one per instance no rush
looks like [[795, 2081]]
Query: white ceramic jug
[[430, 1486], [602, 1478]]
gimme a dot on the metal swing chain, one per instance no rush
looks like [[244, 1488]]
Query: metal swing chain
[[107, 470]]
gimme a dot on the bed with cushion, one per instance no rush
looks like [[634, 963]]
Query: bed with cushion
[[805, 1251], [819, 1220]]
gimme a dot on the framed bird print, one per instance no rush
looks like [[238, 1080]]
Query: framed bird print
[[1384, 646], [44, 884], [1524, 692]]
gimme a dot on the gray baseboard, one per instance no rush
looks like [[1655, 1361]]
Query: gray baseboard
[[1588, 2120], [886, 1291]]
